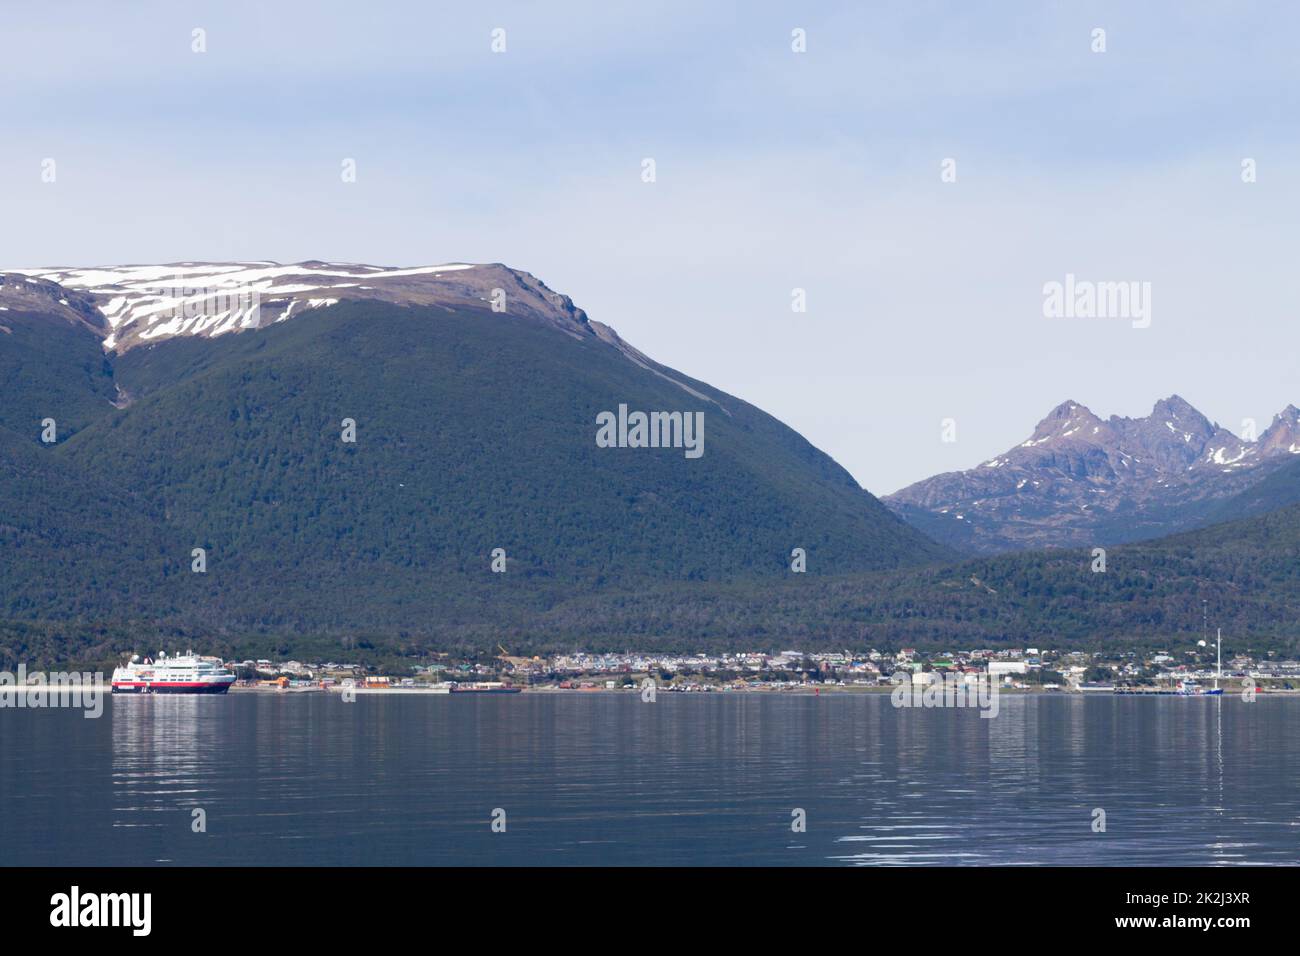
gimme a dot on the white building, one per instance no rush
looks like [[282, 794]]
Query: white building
[[1002, 668]]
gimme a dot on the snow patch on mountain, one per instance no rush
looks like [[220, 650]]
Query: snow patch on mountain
[[145, 303], [150, 302], [141, 304]]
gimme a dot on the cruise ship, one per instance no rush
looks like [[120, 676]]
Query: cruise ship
[[187, 674], [484, 687]]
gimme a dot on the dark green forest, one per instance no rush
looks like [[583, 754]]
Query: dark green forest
[[476, 432]]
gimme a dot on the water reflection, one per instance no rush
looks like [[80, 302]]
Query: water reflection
[[1025, 787], [591, 779]]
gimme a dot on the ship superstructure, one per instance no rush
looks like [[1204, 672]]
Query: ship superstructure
[[185, 674]]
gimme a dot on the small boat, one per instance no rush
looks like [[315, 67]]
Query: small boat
[[1191, 688]]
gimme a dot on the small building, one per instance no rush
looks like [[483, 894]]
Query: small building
[[1003, 668]]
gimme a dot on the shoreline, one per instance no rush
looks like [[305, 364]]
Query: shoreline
[[8, 692], [787, 691]]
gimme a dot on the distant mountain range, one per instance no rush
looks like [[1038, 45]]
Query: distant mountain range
[[1080, 481]]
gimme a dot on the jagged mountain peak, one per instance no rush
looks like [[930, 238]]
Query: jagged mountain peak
[[1176, 406], [1066, 411], [1079, 480], [1173, 421], [1065, 421], [1283, 435], [1180, 417], [1287, 416]]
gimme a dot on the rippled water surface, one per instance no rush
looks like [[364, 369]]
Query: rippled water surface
[[689, 779]]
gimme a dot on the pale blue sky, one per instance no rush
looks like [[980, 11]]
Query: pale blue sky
[[775, 171]]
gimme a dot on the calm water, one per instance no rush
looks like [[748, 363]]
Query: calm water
[[604, 778]]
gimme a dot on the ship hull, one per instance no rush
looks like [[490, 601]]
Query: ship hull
[[170, 687], [486, 690]]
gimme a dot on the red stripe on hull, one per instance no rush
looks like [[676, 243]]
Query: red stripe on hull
[[170, 687]]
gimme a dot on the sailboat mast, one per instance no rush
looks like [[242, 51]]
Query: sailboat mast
[[1218, 655]]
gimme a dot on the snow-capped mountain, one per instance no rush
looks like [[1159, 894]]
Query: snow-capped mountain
[[21, 293], [134, 305], [1081, 480], [474, 429], [147, 303]]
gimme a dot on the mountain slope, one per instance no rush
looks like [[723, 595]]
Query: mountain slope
[[1247, 573], [475, 430], [1079, 480], [51, 361], [1277, 490], [66, 537]]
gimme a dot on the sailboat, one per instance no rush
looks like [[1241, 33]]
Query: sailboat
[[1218, 662], [1195, 690]]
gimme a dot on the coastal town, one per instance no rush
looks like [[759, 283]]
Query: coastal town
[[1026, 669]]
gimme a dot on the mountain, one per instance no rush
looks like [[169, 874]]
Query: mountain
[[475, 430], [50, 353], [1081, 481], [66, 537], [1277, 490], [1246, 572], [143, 304]]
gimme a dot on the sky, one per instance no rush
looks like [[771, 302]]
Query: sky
[[775, 170]]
